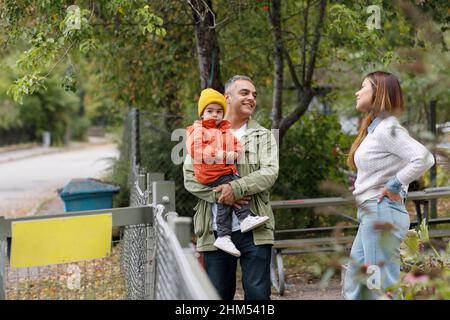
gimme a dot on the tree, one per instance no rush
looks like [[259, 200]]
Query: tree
[[208, 50], [312, 38], [88, 30], [302, 83]]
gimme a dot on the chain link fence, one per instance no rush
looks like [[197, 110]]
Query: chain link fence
[[97, 279], [178, 275], [136, 254], [172, 272], [147, 145], [146, 261]]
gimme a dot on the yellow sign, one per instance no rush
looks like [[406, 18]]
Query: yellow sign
[[60, 240]]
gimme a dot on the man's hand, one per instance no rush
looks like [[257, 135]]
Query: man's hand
[[391, 195], [244, 200], [227, 195]]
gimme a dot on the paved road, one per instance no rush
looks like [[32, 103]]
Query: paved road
[[24, 183]]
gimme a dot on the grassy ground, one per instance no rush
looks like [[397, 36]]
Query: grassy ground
[[101, 279]]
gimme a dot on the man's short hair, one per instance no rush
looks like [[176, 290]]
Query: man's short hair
[[235, 78]]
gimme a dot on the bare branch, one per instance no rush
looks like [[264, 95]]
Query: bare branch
[[202, 14], [293, 72], [69, 47], [305, 39], [275, 20], [304, 99], [315, 44]]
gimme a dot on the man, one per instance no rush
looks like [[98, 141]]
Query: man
[[258, 169]]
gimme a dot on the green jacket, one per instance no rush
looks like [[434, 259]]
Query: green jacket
[[258, 169]]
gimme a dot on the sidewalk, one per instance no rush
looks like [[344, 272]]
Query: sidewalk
[[48, 206], [31, 174], [25, 151], [20, 154]]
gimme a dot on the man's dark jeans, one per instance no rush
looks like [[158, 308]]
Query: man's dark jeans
[[255, 264], [223, 218]]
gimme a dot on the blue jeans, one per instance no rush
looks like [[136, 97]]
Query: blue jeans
[[374, 262], [255, 265]]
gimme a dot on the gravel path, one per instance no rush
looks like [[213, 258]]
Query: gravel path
[[302, 286]]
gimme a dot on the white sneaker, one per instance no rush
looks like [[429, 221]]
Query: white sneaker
[[252, 222], [224, 243]]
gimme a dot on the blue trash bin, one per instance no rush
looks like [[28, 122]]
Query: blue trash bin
[[87, 194]]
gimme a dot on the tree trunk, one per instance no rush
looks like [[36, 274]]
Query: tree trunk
[[207, 44], [275, 20], [304, 99], [305, 92]]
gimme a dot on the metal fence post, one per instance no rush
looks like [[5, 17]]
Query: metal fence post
[[152, 177], [151, 231], [135, 137], [164, 193], [3, 257], [181, 226], [141, 181], [136, 250], [433, 169]]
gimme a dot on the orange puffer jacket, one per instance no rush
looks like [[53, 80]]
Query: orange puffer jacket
[[213, 148]]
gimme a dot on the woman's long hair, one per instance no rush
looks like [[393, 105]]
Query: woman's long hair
[[387, 99]]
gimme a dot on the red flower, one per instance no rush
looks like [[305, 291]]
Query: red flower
[[266, 7]]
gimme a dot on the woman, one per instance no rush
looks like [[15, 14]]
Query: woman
[[386, 159]]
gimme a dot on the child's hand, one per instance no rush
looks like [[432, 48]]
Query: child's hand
[[232, 154], [220, 155]]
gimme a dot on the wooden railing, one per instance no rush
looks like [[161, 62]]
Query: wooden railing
[[330, 242]]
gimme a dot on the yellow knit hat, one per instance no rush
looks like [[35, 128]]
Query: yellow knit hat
[[209, 96]]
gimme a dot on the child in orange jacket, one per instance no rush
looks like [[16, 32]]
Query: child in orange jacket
[[214, 150]]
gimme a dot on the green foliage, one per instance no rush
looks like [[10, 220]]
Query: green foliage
[[343, 19], [156, 156], [9, 113], [425, 266], [311, 154], [442, 178], [412, 44], [36, 58], [156, 150], [410, 248], [79, 128], [120, 173], [315, 155], [149, 22], [50, 111], [139, 54], [52, 40], [9, 116], [46, 107], [26, 85]]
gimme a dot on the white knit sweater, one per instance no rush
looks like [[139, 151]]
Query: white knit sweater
[[386, 152]]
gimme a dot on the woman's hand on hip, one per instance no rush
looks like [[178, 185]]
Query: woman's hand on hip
[[391, 195]]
